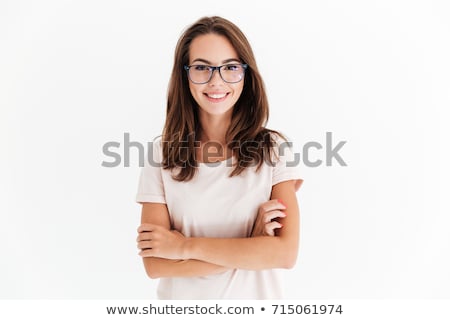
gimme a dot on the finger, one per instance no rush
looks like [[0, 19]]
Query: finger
[[274, 204], [147, 227], [144, 245], [146, 253], [269, 216], [144, 236], [271, 226]]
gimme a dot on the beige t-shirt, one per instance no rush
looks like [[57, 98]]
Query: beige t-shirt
[[214, 205]]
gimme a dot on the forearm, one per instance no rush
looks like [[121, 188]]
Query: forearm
[[244, 253], [161, 268], [257, 252], [254, 253]]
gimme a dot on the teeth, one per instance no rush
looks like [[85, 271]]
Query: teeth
[[217, 96]]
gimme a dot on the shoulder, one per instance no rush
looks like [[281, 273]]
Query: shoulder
[[278, 137], [154, 150], [286, 163], [274, 136], [157, 143], [280, 143], [157, 140]]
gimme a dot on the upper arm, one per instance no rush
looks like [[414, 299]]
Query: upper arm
[[150, 191], [286, 180], [290, 232], [155, 213]]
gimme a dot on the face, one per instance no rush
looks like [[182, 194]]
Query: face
[[215, 97]]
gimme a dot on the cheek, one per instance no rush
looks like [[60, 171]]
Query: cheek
[[196, 92], [191, 89], [238, 90]]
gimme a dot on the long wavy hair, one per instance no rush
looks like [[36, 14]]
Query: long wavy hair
[[246, 136]]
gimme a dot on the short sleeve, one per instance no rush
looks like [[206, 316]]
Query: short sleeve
[[151, 187], [286, 165]]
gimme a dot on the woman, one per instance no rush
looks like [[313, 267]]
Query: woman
[[220, 214]]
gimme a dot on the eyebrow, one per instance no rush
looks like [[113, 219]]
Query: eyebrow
[[209, 62]]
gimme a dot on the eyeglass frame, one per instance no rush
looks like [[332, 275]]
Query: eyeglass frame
[[213, 68]]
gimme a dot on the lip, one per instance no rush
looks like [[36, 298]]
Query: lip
[[221, 96]]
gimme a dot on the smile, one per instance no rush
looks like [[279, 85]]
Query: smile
[[216, 97]]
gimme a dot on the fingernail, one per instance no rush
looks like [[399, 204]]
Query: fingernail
[[279, 200]]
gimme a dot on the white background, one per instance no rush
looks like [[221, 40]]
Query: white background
[[77, 74]]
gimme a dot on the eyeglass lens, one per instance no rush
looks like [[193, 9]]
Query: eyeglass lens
[[229, 73]]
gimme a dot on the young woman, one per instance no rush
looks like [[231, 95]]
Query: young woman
[[219, 212]]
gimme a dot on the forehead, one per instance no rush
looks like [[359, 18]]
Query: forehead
[[213, 48]]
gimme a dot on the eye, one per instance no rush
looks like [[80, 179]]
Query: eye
[[200, 67], [232, 67]]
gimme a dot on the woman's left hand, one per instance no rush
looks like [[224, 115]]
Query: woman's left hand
[[266, 221], [157, 241]]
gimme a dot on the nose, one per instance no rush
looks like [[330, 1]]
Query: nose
[[216, 78]]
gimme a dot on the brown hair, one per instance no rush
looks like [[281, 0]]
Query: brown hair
[[246, 134]]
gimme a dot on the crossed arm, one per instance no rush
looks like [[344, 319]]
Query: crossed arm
[[167, 253]]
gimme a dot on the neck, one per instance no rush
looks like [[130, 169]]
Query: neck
[[214, 128]]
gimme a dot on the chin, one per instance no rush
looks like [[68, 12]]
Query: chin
[[216, 110]]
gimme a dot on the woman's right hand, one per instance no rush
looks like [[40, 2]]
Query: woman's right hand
[[267, 220]]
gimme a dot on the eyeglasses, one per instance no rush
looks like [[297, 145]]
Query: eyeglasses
[[230, 73]]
